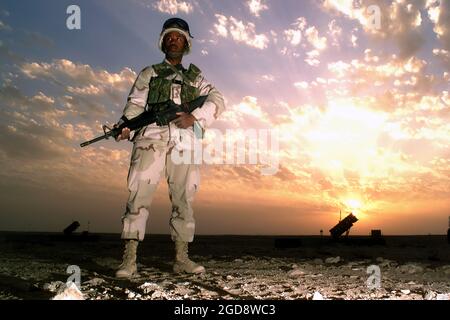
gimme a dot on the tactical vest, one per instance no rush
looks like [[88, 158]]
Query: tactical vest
[[160, 86]]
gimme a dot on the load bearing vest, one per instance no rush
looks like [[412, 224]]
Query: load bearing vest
[[160, 86]]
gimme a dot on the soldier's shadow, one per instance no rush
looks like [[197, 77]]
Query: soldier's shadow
[[158, 265]]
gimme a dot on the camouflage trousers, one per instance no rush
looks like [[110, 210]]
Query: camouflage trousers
[[148, 164]]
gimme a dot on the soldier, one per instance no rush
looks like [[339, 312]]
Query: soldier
[[155, 145]]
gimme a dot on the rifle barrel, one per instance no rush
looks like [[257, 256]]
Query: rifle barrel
[[105, 136], [147, 118]]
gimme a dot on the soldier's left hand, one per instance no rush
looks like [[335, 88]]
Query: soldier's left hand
[[184, 120]]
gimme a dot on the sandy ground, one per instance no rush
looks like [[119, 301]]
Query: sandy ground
[[33, 266]]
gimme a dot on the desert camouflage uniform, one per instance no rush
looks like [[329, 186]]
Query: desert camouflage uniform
[[153, 145]]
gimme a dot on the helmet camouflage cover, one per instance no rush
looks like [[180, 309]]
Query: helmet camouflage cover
[[179, 25]]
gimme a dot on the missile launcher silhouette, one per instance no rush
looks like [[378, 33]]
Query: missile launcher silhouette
[[343, 226]]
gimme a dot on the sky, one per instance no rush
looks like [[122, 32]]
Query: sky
[[357, 91]]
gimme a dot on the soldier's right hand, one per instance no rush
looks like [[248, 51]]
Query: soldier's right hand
[[124, 135]]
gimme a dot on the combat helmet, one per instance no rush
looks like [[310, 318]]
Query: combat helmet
[[179, 25]]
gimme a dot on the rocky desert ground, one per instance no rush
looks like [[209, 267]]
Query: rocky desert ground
[[35, 266]]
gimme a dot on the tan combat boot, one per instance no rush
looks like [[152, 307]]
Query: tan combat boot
[[182, 261], [128, 267]]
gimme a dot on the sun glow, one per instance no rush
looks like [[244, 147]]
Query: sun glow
[[342, 142], [345, 137], [353, 204]]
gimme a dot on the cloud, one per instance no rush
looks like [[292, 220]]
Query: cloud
[[335, 33], [32, 129], [347, 8], [87, 91], [274, 35], [444, 55], [9, 56], [323, 143], [248, 111], [439, 14], [83, 91], [354, 38], [37, 147], [294, 36], [240, 32], [222, 25], [312, 58], [383, 83], [312, 35], [446, 76], [400, 21], [36, 39], [268, 77], [300, 31], [301, 85], [62, 70], [360, 69], [246, 33], [251, 174], [249, 106], [4, 27], [87, 109], [173, 6], [256, 6]]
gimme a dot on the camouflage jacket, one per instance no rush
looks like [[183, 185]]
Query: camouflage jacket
[[158, 83]]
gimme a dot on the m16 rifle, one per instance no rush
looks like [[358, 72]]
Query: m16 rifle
[[161, 113]]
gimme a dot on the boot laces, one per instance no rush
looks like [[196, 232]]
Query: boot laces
[[128, 253]]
